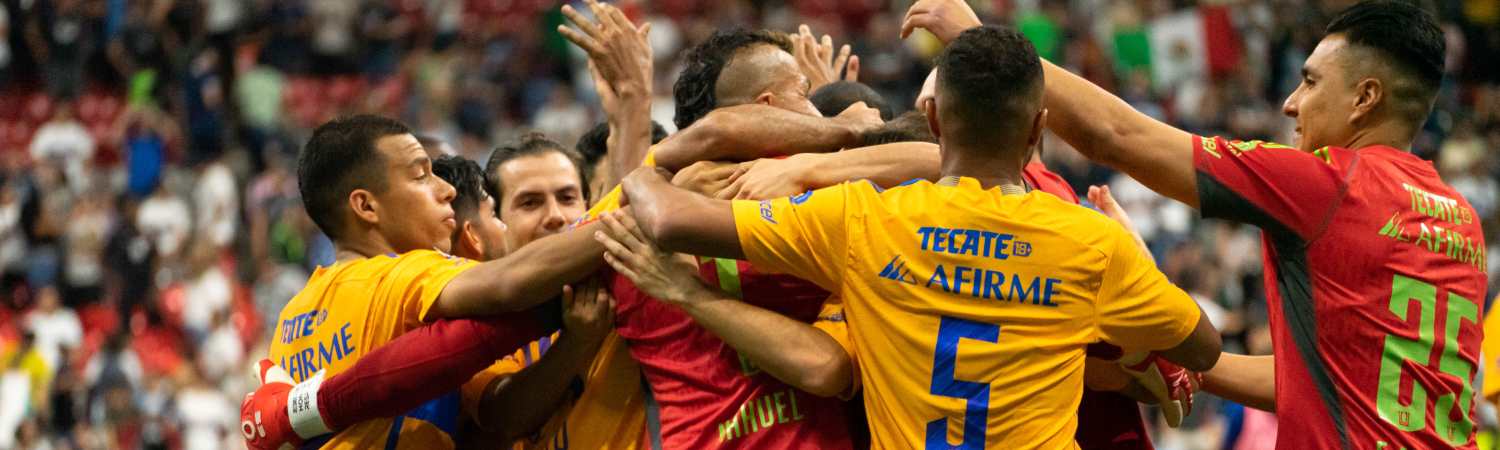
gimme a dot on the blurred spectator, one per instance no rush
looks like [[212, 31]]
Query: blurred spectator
[[562, 119], [55, 327], [165, 220], [64, 141], [216, 198], [61, 37]]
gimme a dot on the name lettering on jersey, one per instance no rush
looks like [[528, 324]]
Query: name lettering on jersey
[[1434, 237], [1438, 207], [986, 284], [310, 360], [981, 243], [760, 413]]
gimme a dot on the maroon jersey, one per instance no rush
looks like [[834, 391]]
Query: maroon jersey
[[709, 396], [1106, 420], [1375, 280]]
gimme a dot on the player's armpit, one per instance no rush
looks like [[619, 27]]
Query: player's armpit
[[1200, 350], [1280, 189], [522, 279], [1248, 380]]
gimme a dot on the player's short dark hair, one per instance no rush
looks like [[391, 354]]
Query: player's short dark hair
[[467, 178], [1406, 36], [594, 144], [527, 145], [833, 98], [991, 75], [694, 90], [908, 127], [339, 158]]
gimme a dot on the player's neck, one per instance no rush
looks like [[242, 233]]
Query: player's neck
[[370, 245], [1387, 136], [991, 172]]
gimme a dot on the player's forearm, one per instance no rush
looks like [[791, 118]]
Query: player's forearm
[[886, 165], [794, 352], [1109, 131], [754, 131], [679, 220], [518, 405], [421, 365], [1248, 380], [629, 134], [523, 279]]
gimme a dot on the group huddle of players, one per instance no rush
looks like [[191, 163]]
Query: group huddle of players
[[775, 277]]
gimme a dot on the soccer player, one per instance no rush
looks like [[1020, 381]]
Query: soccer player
[[969, 279], [1374, 268], [368, 184], [715, 398]]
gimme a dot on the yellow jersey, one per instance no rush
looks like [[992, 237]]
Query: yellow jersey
[[352, 307], [969, 310], [1490, 350]]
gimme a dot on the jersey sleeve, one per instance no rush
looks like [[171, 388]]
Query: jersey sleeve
[[831, 321], [1138, 308], [1275, 187], [803, 235], [419, 277], [473, 390]]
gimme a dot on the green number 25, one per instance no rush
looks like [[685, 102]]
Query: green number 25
[[1413, 416]]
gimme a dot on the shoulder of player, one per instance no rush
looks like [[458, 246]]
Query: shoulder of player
[[1086, 225]]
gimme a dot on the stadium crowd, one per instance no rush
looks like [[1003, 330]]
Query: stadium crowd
[[151, 227]]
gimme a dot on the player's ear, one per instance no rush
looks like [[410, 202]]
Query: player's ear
[[1038, 124], [930, 109], [469, 240], [765, 98], [365, 206], [1368, 94]]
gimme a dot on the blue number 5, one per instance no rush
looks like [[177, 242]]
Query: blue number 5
[[976, 414]]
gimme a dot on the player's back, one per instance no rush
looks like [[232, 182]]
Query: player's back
[[347, 310], [1380, 310], [970, 309]]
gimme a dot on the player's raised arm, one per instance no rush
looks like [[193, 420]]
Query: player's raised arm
[[679, 220], [753, 131], [522, 279], [1107, 130], [620, 63], [885, 165], [794, 352]]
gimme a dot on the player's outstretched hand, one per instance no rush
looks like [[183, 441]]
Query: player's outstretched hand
[[619, 54], [263, 417], [946, 19], [1170, 384], [588, 311], [671, 277], [708, 177], [818, 62], [765, 179]]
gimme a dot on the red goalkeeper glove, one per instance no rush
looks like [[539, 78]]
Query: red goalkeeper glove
[[279, 414], [1172, 385]]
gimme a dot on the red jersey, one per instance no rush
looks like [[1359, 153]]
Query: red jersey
[[1375, 281], [711, 397], [1106, 420]]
